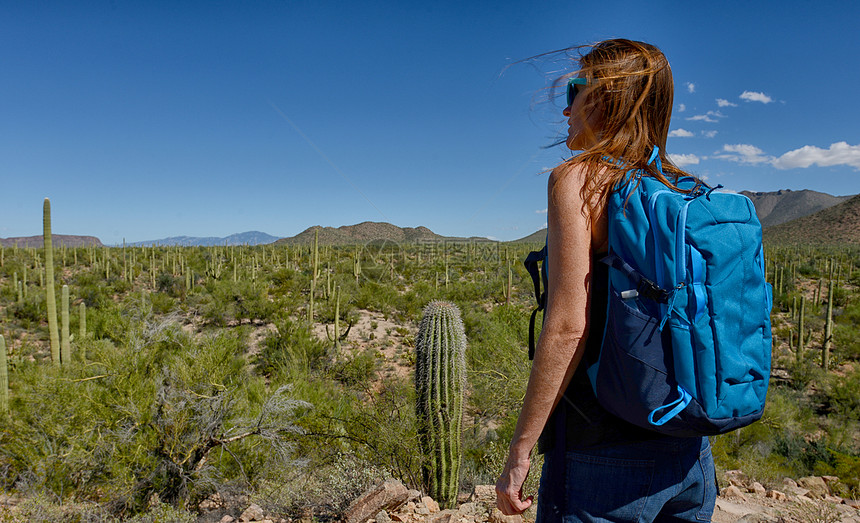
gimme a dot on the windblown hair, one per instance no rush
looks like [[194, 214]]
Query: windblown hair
[[631, 88]]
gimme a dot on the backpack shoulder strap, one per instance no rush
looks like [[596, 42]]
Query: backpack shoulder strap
[[535, 264]]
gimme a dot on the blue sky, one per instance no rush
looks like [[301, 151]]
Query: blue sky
[[142, 120]]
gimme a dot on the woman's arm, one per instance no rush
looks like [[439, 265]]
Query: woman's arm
[[562, 339]]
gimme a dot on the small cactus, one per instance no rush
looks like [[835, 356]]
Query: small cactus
[[440, 377]]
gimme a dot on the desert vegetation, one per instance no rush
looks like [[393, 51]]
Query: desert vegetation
[[284, 374]]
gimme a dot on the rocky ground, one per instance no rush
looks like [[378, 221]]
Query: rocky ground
[[808, 499]]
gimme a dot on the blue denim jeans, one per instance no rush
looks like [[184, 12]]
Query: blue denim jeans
[[662, 480]]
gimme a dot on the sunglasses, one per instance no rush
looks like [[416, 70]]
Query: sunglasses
[[574, 86]]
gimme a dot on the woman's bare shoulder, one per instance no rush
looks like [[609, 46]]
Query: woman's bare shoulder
[[568, 173]]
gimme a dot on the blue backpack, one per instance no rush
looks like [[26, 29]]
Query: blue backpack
[[687, 343]]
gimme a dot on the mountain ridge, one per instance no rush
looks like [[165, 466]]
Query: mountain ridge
[[776, 207], [368, 231], [784, 207], [57, 240], [241, 238], [839, 224]]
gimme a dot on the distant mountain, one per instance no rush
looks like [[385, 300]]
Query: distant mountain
[[839, 224], [57, 240], [242, 238], [783, 206], [369, 232], [535, 237], [772, 208]]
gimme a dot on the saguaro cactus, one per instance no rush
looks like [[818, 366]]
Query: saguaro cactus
[[828, 329], [65, 340], [314, 274], [440, 376], [337, 336], [4, 377], [50, 293], [82, 323], [800, 329]]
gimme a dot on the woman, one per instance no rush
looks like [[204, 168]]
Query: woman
[[598, 467]]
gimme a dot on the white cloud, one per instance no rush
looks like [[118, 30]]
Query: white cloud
[[725, 103], [839, 153], [682, 160], [682, 108], [680, 133], [703, 118], [709, 134], [752, 96], [541, 211], [691, 87], [710, 116], [743, 153]]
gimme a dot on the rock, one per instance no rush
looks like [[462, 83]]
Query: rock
[[777, 495], [830, 480], [414, 495], [431, 504], [446, 516], [410, 507], [402, 518], [211, 503], [252, 513], [788, 482], [758, 518], [853, 503], [496, 516], [728, 511], [836, 500], [421, 510], [382, 517], [737, 478], [227, 519], [815, 485], [386, 496], [468, 509], [805, 499], [733, 492], [484, 495], [757, 488]]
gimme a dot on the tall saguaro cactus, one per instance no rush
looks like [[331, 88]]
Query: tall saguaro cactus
[[4, 377], [440, 376], [65, 339], [828, 329], [50, 294]]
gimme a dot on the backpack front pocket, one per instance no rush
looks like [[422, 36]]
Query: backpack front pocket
[[631, 379]]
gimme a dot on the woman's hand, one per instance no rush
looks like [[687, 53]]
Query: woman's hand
[[509, 487]]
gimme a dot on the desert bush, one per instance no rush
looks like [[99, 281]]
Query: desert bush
[[142, 420], [356, 369], [292, 351], [31, 311], [226, 301], [168, 284], [840, 395]]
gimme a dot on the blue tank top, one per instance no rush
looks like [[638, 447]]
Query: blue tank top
[[578, 417]]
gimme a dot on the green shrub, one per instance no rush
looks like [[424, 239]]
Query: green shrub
[[357, 369], [143, 420], [291, 351]]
